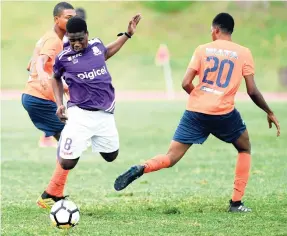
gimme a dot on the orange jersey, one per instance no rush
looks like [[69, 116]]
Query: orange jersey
[[50, 44], [220, 66]]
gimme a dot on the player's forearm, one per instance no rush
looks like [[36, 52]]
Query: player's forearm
[[115, 46], [187, 85], [187, 80], [188, 88], [259, 100], [58, 89]]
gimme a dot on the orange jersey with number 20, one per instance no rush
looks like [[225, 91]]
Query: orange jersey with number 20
[[220, 66]]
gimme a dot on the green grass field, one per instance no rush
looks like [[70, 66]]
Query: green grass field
[[188, 199], [262, 30]]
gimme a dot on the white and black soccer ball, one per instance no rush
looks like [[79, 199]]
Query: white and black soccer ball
[[64, 214]]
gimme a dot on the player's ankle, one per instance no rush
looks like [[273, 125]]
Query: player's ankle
[[45, 194], [235, 203], [144, 166]]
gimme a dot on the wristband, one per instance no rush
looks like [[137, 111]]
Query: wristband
[[125, 33]]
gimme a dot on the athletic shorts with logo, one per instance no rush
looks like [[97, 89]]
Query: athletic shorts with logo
[[83, 126]]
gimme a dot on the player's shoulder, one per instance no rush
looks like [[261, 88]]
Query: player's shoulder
[[64, 53], [51, 34], [95, 41], [66, 42], [242, 51], [202, 47], [241, 47], [51, 37], [226, 45]]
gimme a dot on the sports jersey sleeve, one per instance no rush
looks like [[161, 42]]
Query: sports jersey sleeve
[[58, 69], [104, 47], [195, 60], [50, 47], [248, 64], [96, 42]]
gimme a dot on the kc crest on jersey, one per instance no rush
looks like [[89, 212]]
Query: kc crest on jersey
[[96, 51], [73, 58]]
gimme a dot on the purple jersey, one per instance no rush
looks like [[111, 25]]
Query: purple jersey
[[87, 76]]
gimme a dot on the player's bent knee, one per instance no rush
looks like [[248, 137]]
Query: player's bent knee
[[68, 164], [242, 144], [244, 147], [110, 157]]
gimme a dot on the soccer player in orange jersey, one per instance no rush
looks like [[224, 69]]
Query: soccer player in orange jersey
[[220, 66], [51, 141], [38, 98]]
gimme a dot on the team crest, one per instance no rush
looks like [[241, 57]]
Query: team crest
[[96, 51]]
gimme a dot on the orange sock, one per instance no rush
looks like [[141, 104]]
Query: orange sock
[[58, 181], [241, 175], [157, 163]]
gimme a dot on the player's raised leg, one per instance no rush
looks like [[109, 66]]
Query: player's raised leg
[[190, 131], [175, 152]]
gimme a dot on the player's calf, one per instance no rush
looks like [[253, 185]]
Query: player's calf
[[110, 157], [242, 170]]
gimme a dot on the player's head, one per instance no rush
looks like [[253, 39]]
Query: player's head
[[63, 11], [81, 13], [77, 33], [222, 24]]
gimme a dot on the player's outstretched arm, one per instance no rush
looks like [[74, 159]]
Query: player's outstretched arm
[[259, 100], [115, 46], [187, 80]]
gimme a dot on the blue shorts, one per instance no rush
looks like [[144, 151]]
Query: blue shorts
[[194, 127], [43, 114]]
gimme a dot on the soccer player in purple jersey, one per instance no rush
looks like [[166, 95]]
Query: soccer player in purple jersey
[[91, 105]]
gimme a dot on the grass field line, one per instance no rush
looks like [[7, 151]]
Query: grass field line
[[155, 96]]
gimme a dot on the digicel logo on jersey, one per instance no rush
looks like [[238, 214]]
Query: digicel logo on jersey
[[93, 74]]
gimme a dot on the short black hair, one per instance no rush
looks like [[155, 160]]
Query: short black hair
[[76, 24], [81, 13], [60, 7], [225, 22]]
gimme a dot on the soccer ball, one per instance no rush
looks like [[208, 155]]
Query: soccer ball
[[64, 214]]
